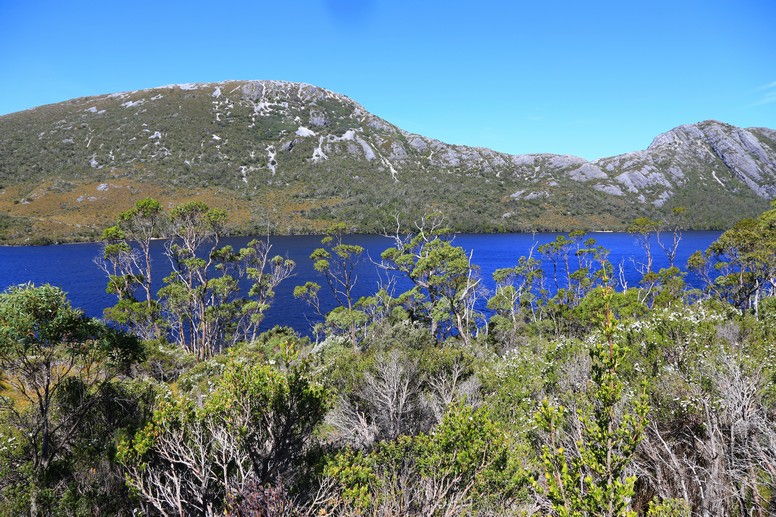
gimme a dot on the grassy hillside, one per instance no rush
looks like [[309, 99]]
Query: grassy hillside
[[297, 157]]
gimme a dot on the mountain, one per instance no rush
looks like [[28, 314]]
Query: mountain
[[295, 157]]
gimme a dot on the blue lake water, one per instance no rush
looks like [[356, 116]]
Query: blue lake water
[[71, 266]]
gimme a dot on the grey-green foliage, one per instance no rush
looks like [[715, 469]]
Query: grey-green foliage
[[201, 306], [444, 279], [251, 427]]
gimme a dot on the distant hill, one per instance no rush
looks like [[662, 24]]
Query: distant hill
[[295, 157]]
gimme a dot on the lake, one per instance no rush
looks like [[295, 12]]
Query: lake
[[71, 266]]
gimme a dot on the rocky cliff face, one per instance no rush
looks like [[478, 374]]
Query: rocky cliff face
[[299, 156]]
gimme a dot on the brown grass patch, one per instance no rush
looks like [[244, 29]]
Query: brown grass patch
[[44, 212]]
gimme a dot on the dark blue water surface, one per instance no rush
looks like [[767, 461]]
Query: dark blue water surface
[[71, 266]]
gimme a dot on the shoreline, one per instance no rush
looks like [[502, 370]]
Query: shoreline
[[369, 234]]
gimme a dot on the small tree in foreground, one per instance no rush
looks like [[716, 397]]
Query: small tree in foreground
[[590, 476], [56, 366]]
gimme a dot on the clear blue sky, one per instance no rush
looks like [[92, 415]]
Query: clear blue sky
[[585, 78]]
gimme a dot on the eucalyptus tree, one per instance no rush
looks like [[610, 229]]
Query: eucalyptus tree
[[203, 305], [198, 294], [578, 266], [558, 253], [517, 290], [574, 262], [740, 266], [646, 230], [643, 228], [337, 261], [126, 259], [673, 224], [663, 284], [445, 280]]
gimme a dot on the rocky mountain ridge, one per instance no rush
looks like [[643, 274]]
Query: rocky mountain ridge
[[296, 157]]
